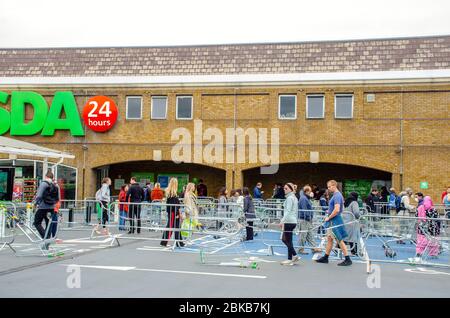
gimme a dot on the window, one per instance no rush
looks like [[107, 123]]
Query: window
[[315, 106], [159, 107], [134, 107], [67, 181], [343, 106], [287, 107], [184, 107]]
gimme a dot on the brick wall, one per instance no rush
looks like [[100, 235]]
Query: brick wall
[[371, 138]]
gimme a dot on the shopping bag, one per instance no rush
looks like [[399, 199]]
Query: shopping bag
[[187, 226], [99, 211]]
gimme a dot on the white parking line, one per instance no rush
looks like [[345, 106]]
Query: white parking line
[[132, 268], [422, 270], [88, 240]]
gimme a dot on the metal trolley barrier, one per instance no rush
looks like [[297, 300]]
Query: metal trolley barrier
[[79, 214], [151, 221], [267, 225], [8, 219], [406, 240], [16, 220]]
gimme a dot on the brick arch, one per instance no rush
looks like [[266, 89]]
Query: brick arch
[[380, 167], [117, 162], [374, 158], [213, 177], [302, 173]]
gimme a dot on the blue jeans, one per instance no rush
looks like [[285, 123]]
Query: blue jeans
[[53, 225], [122, 217]]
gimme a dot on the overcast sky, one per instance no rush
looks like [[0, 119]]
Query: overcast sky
[[58, 23]]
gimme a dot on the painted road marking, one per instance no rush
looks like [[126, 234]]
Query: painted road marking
[[166, 249], [421, 270], [132, 268], [81, 250], [114, 268], [89, 240]]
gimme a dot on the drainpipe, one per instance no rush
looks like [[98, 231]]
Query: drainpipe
[[85, 148], [233, 175], [401, 140]]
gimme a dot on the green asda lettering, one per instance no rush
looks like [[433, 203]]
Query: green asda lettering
[[45, 120]]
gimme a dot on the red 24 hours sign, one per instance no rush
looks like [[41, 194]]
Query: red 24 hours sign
[[100, 113]]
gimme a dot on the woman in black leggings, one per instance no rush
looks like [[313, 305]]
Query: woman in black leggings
[[289, 222]]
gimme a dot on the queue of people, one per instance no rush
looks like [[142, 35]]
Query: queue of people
[[298, 210]]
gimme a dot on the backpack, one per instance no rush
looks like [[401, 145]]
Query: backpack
[[50, 195], [398, 201], [432, 227], [401, 204], [146, 194], [392, 201]]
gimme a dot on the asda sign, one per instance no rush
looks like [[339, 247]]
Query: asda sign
[[99, 114]]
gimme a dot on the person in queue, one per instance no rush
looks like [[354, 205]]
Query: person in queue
[[289, 222], [335, 225]]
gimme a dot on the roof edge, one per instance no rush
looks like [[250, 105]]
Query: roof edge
[[231, 79], [230, 44]]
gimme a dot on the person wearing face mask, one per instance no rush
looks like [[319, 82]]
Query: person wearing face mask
[[305, 215], [419, 198]]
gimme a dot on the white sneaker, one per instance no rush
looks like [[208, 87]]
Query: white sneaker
[[295, 259], [287, 262]]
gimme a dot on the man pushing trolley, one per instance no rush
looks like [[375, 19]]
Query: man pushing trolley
[[335, 225]]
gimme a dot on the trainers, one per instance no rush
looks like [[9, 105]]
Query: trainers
[[323, 259], [295, 259], [287, 262], [302, 251], [346, 262], [316, 250]]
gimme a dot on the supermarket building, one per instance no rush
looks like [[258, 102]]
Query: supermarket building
[[368, 110]]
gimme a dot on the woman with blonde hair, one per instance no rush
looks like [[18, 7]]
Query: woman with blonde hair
[[174, 217], [190, 202]]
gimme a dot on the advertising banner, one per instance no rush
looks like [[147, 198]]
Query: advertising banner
[[362, 187], [17, 190], [143, 177], [3, 182], [183, 179]]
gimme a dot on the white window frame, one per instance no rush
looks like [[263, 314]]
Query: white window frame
[[151, 110], [192, 107], [279, 107], [335, 104], [323, 104], [126, 110]]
